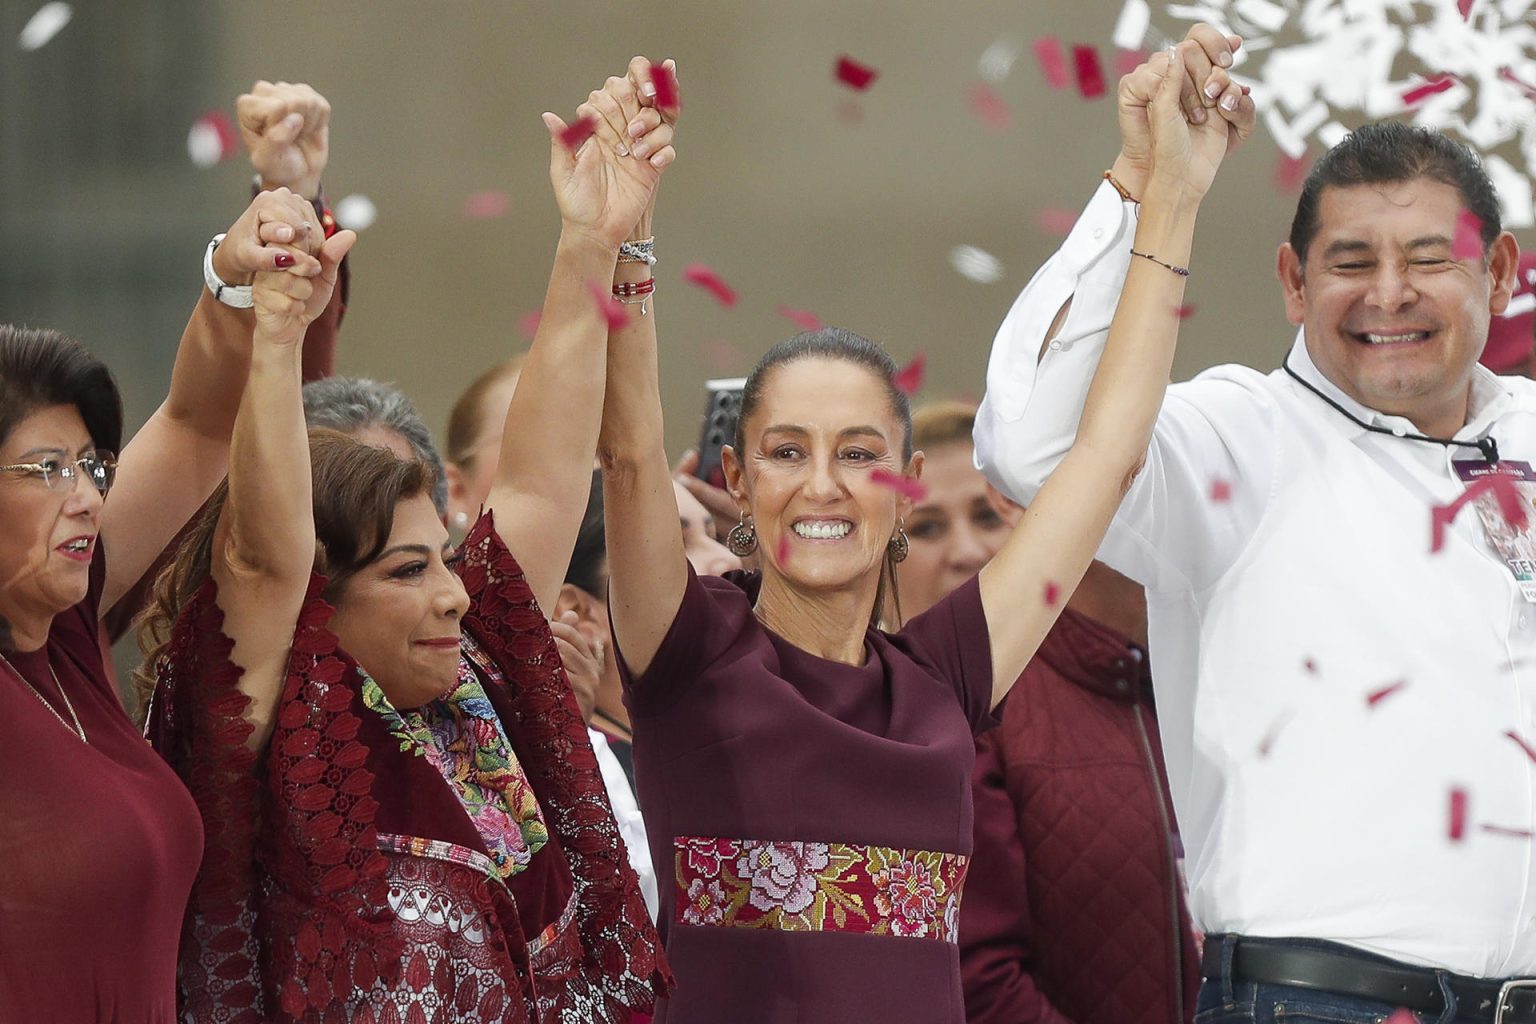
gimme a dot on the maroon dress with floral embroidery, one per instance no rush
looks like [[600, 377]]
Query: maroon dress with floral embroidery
[[344, 880], [99, 843], [816, 816]]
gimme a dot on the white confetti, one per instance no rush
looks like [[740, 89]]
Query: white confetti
[[356, 211], [1131, 28], [975, 264], [1318, 66], [996, 61], [210, 140], [44, 25]]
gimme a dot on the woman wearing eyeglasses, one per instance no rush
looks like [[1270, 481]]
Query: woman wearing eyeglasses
[[99, 841]]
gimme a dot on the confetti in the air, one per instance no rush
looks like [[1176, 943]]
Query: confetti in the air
[[903, 485], [1310, 665], [801, 318], [1503, 489], [1221, 490], [356, 211], [1456, 827], [996, 61], [1290, 172], [44, 24], [1052, 594], [528, 323], [578, 132], [1090, 74], [1402, 1015], [1267, 743], [212, 139], [909, 379], [666, 87], [612, 309], [1053, 62], [975, 264], [1375, 697], [1127, 61], [1530, 751], [487, 205], [1462, 67], [1185, 311], [704, 277], [1468, 243], [853, 74], [989, 107], [1056, 220], [1511, 833]]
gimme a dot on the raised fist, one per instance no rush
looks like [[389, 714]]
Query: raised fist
[[286, 127]]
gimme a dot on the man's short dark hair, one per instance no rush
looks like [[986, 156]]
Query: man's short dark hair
[[1390, 151]]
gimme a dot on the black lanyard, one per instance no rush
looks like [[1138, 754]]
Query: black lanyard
[[1487, 445]]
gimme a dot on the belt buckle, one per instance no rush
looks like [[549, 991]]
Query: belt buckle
[[1504, 993]]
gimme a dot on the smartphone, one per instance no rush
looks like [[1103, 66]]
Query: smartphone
[[721, 411]]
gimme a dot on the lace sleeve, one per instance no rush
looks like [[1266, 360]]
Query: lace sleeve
[[546, 728]]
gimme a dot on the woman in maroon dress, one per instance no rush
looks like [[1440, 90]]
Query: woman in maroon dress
[[806, 774], [405, 819], [98, 840]]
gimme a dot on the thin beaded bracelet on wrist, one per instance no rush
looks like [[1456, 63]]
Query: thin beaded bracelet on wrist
[[1181, 271], [1125, 193], [639, 251]]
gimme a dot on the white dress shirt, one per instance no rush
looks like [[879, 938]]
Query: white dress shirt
[[626, 811], [1273, 614]]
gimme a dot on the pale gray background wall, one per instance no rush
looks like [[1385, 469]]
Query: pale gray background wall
[[103, 218]]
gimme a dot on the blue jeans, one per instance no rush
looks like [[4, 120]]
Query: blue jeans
[[1224, 1000]]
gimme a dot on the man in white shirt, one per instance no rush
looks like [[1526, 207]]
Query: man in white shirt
[[1349, 718]]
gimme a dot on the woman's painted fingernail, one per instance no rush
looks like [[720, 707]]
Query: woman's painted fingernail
[[623, 150], [649, 89], [1224, 59], [636, 129], [1229, 103], [284, 233], [1212, 89], [282, 261], [641, 150]]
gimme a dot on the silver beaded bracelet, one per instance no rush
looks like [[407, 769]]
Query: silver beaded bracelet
[[642, 251]]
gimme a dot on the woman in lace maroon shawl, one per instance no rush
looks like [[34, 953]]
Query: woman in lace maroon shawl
[[404, 817]]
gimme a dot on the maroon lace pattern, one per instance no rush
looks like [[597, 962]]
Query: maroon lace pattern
[[303, 912]]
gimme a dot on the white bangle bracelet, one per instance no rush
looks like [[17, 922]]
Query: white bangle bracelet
[[236, 295]]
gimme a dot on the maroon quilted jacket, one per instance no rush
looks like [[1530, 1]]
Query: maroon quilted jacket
[[1073, 910]]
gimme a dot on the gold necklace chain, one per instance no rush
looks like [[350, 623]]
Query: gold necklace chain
[[78, 730]]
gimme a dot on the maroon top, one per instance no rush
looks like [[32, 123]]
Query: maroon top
[[741, 735], [1073, 912], [99, 843]]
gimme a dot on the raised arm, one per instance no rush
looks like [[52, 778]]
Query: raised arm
[[647, 568], [1025, 585], [181, 453], [544, 474], [264, 544]]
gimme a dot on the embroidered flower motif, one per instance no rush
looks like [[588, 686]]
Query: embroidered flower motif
[[905, 891], [706, 903], [783, 875], [703, 856]]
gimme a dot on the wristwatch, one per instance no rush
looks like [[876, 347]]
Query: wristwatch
[[236, 295]]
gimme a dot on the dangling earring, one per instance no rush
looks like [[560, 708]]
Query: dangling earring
[[461, 520], [742, 540], [899, 545]]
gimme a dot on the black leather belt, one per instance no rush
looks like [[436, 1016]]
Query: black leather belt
[[1278, 962]]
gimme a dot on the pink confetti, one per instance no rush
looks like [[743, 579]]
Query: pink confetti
[[989, 107], [1464, 8], [1504, 490], [1052, 594], [212, 139], [666, 87], [782, 551], [487, 205], [904, 485], [854, 75], [1375, 697], [1185, 311], [1090, 75], [578, 132], [1310, 666], [1056, 220], [1290, 173], [1053, 62], [1509, 76], [1513, 833], [1127, 61], [1221, 491], [1267, 744], [1401, 1016], [528, 323], [1530, 751], [704, 277], [802, 318], [909, 379], [610, 307], [1429, 87], [1468, 244], [1457, 826]]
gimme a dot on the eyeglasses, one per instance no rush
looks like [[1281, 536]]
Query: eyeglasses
[[100, 469]]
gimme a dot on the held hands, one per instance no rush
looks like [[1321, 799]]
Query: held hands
[[286, 128], [287, 301], [606, 188], [1211, 102], [277, 231]]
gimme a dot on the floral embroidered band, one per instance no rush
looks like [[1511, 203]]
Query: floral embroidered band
[[804, 887]]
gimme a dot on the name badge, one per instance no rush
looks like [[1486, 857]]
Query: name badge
[[1514, 545]]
